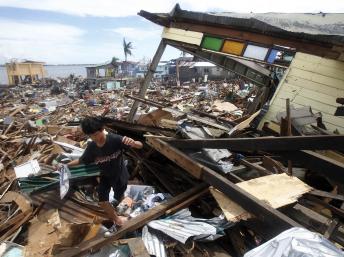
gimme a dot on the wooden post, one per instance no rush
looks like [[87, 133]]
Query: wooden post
[[288, 118], [148, 78], [177, 72]]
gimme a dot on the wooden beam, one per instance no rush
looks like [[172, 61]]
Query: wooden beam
[[326, 166], [137, 128], [262, 171], [154, 64], [182, 200], [176, 156], [326, 194], [332, 208], [249, 202], [322, 142], [146, 101]]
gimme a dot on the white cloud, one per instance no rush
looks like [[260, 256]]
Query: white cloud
[[38, 31], [111, 8], [38, 41], [137, 33]]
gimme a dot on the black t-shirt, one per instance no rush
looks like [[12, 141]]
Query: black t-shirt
[[109, 157]]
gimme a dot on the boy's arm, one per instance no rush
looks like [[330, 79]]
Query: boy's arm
[[132, 143], [73, 163]]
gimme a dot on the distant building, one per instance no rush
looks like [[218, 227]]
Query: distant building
[[24, 72], [140, 70], [127, 68], [162, 70], [107, 69], [201, 71]]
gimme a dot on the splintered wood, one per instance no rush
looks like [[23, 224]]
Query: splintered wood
[[276, 190]]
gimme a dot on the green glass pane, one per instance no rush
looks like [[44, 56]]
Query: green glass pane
[[212, 43]]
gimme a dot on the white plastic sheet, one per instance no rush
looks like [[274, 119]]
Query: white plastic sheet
[[64, 180], [26, 169], [296, 242]]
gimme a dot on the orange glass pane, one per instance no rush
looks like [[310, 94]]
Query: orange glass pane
[[233, 47]]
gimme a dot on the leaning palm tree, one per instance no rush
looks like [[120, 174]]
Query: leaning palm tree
[[127, 47]]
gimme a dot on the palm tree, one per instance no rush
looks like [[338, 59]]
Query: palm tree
[[114, 61], [127, 47]]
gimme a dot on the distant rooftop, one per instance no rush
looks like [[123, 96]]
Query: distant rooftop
[[25, 61]]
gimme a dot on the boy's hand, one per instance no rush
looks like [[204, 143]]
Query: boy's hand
[[128, 141], [58, 166], [120, 220]]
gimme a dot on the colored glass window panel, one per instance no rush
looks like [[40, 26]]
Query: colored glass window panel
[[233, 47], [256, 52], [272, 56], [212, 43]]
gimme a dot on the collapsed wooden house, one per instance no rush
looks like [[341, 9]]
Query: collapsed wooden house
[[261, 195]]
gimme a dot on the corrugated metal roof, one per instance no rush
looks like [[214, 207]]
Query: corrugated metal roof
[[70, 210], [195, 64], [203, 64], [181, 226], [153, 244], [321, 28], [310, 23]]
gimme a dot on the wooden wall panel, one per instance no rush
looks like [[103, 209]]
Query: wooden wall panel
[[311, 81]]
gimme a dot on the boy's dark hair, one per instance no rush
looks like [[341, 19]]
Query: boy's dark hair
[[91, 125]]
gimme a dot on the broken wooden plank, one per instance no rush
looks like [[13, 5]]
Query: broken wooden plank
[[136, 246], [8, 128], [17, 218], [96, 243], [262, 171], [12, 196], [232, 211], [273, 165], [276, 190], [16, 226], [18, 109]]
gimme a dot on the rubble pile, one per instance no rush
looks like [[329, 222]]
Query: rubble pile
[[47, 211]]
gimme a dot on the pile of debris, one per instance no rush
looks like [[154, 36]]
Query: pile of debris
[[253, 197]]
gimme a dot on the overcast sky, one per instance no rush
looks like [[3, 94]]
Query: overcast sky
[[91, 31]]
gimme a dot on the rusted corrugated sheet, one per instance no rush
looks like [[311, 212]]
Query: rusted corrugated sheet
[[70, 210]]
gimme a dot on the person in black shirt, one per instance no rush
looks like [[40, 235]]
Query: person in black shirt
[[106, 151]]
